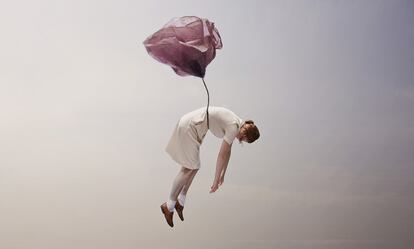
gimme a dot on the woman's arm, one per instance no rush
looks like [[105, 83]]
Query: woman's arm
[[221, 165]]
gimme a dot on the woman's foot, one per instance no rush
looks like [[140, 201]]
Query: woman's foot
[[179, 209], [167, 214]]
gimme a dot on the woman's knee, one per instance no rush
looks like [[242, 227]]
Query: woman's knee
[[186, 170]]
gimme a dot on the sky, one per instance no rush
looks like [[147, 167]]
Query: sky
[[86, 114]]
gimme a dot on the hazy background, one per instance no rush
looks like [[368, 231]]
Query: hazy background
[[85, 115]]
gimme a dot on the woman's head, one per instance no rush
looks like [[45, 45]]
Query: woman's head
[[249, 132]]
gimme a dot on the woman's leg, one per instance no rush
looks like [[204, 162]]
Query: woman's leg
[[180, 180], [184, 190]]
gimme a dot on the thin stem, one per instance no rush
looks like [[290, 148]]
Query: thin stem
[[208, 102]]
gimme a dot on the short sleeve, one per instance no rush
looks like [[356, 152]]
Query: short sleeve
[[230, 133]]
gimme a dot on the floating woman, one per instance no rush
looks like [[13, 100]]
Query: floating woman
[[184, 148]]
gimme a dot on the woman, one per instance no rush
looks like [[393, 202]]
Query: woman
[[184, 148]]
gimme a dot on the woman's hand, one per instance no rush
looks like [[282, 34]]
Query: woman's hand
[[221, 180], [214, 187], [221, 165], [217, 183]]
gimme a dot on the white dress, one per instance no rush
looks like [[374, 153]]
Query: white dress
[[188, 135]]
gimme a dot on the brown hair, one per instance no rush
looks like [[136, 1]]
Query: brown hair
[[250, 131]]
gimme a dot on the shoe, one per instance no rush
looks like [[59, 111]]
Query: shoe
[[179, 209], [167, 214]]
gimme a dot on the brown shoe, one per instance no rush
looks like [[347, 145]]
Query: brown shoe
[[167, 214], [179, 209]]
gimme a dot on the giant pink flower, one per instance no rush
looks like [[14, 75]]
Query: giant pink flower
[[187, 44]]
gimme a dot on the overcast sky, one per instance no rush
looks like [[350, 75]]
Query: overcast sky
[[85, 115]]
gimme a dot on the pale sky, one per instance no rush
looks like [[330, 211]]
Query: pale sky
[[85, 115]]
